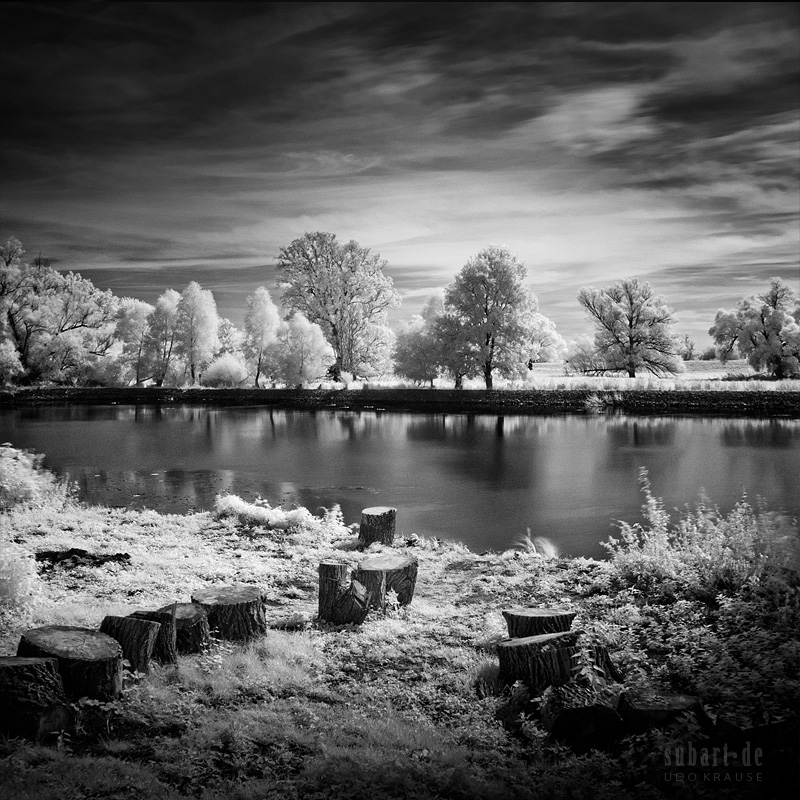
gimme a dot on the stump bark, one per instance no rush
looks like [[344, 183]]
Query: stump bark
[[237, 612], [137, 637], [164, 651], [90, 662], [192, 633], [381, 573], [377, 525], [643, 710], [32, 699], [538, 661], [524, 622], [581, 717], [341, 601]]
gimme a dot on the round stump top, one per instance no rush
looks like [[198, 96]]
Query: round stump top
[[24, 661], [385, 562], [83, 644], [184, 610], [540, 612], [227, 595], [378, 511]]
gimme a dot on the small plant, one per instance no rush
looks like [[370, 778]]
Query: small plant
[[19, 579], [23, 480]]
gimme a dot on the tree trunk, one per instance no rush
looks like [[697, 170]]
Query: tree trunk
[[137, 638], [580, 717], [164, 651], [237, 612], [524, 622], [377, 525], [379, 574], [648, 709], [90, 662], [341, 601], [487, 375], [538, 661], [192, 633], [32, 699]]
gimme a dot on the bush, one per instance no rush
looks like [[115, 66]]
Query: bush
[[24, 481], [19, 579], [226, 370]]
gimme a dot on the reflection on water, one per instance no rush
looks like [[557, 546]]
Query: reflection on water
[[480, 479]]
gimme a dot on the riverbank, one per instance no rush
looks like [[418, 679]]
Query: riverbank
[[650, 401], [408, 703]]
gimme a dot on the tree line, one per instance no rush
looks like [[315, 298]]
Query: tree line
[[333, 323]]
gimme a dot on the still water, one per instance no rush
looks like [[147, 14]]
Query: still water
[[479, 479]]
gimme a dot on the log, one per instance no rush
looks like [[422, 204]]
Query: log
[[524, 622], [137, 638], [90, 662], [237, 612], [192, 632], [32, 699], [538, 661], [381, 573], [581, 717], [377, 525], [645, 709], [341, 601], [165, 651]]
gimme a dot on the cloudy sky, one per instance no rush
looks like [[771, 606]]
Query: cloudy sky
[[147, 145]]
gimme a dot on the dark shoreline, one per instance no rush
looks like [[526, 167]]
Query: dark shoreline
[[546, 401]]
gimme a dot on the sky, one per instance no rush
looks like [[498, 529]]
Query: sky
[[148, 145]]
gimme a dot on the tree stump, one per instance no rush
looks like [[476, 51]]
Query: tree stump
[[581, 717], [32, 699], [381, 573], [341, 601], [192, 632], [165, 651], [538, 661], [136, 636], [377, 525], [524, 622], [237, 612], [90, 662], [643, 710]]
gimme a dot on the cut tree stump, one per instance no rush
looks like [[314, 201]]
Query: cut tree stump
[[384, 572], [643, 710], [192, 632], [136, 636], [90, 662], [237, 612], [377, 525], [341, 601], [538, 661], [32, 699], [524, 622], [165, 651], [581, 717]]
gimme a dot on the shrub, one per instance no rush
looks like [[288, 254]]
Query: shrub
[[226, 370], [19, 580], [24, 481]]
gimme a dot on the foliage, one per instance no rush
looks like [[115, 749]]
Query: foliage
[[227, 369], [23, 481], [261, 323], [162, 335], [19, 579], [343, 289], [632, 329], [196, 328], [10, 365], [259, 513], [416, 352], [230, 340], [299, 354], [134, 319], [764, 329]]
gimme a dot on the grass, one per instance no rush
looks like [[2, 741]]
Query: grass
[[406, 705]]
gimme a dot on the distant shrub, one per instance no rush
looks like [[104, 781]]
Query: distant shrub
[[24, 481], [226, 370], [10, 365], [260, 513], [19, 580]]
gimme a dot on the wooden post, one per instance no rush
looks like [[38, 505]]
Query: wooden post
[[192, 633], [136, 636], [377, 525], [32, 699], [237, 612], [385, 572], [538, 661], [90, 662], [341, 601], [536, 621], [165, 651]]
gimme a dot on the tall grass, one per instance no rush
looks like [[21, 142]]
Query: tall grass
[[23, 480]]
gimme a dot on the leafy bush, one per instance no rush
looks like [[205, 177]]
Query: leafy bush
[[24, 481], [19, 580], [226, 370]]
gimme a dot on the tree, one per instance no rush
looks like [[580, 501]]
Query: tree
[[230, 340], [687, 348], [227, 369], [490, 316], [163, 335], [134, 318], [261, 322], [342, 288], [300, 353], [632, 329], [764, 329], [416, 352], [197, 326]]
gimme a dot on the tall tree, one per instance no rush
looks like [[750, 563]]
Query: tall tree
[[163, 335], [416, 352], [632, 329], [261, 322], [133, 328], [197, 327], [492, 314], [764, 329], [300, 353], [342, 288]]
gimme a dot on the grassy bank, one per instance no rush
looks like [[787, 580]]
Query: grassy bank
[[406, 705]]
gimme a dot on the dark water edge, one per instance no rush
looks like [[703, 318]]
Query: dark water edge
[[780, 403]]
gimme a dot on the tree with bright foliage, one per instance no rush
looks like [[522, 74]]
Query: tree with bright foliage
[[197, 326], [300, 353], [162, 335], [261, 323], [764, 329], [632, 329], [133, 328]]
